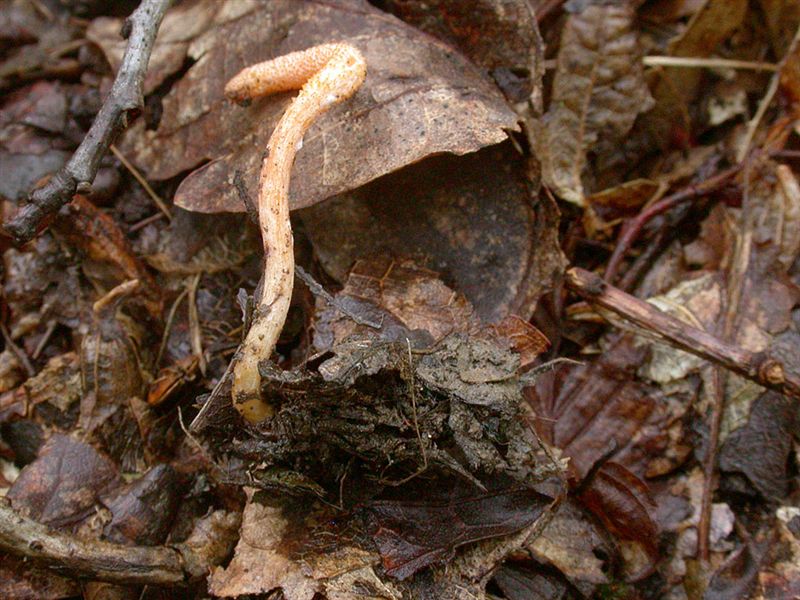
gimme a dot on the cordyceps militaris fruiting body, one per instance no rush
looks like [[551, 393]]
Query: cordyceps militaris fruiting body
[[326, 75]]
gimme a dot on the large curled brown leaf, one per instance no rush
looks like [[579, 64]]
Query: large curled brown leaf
[[420, 98], [469, 218], [598, 91]]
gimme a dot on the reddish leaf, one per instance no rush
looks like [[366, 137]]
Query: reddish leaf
[[623, 503], [61, 486], [528, 584], [142, 512], [109, 256], [592, 409], [414, 535]]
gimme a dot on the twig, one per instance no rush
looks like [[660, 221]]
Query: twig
[[317, 289], [51, 327], [124, 98], [707, 63], [196, 334], [328, 75], [162, 206], [631, 230], [97, 560], [760, 367], [21, 355], [735, 276], [168, 326]]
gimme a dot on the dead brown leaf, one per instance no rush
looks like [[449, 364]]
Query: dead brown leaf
[[263, 560], [399, 296], [468, 218], [61, 487], [573, 544], [602, 407], [29, 120], [598, 91], [420, 98], [414, 535]]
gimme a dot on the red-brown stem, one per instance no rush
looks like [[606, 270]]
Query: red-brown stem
[[632, 228]]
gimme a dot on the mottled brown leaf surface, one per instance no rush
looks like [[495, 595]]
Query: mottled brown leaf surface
[[401, 297], [598, 91], [623, 504], [420, 98], [573, 543], [57, 384], [28, 151], [179, 29], [761, 448], [524, 584], [469, 218], [142, 512]]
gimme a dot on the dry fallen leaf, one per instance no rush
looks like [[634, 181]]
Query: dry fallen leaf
[[412, 535], [598, 91], [420, 98], [278, 549], [476, 228]]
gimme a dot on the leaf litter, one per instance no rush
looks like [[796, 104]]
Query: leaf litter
[[425, 443]]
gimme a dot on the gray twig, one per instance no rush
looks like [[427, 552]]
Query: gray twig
[[116, 563], [125, 97]]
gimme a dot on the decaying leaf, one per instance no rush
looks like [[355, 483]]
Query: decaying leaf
[[623, 504], [598, 91], [420, 98], [592, 410], [526, 584], [709, 27], [30, 120], [403, 299], [142, 512], [477, 229], [761, 448], [414, 535], [58, 384], [264, 562], [61, 487], [109, 258], [572, 543]]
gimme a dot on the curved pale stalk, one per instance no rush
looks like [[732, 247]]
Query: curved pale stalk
[[328, 75]]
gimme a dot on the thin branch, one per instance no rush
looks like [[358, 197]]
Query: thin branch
[[689, 62], [104, 561], [760, 367], [162, 206], [125, 98], [632, 228]]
